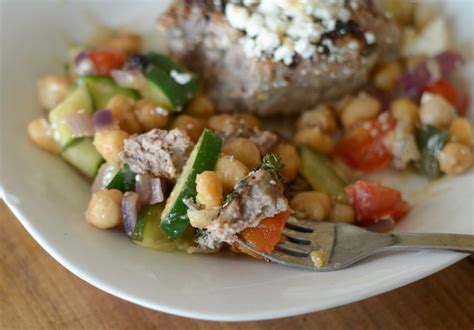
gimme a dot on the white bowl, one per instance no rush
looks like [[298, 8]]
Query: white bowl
[[49, 198]]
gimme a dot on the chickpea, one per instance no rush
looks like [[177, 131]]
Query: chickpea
[[342, 213], [436, 111], [109, 143], [39, 131], [193, 127], [249, 120], [202, 218], [105, 209], [151, 115], [230, 171], [387, 76], [315, 139], [200, 107], [125, 42], [461, 131], [455, 158], [405, 111], [243, 150], [52, 90], [290, 160], [122, 111], [218, 121], [314, 205], [321, 117], [361, 108], [209, 189]]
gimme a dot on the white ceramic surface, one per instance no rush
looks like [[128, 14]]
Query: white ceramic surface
[[49, 198]]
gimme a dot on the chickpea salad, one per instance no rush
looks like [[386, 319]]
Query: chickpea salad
[[174, 171]]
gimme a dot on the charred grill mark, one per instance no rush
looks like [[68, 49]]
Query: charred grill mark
[[344, 28]]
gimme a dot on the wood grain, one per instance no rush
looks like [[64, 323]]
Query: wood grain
[[38, 293]]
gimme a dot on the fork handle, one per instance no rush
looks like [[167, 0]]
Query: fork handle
[[455, 242]]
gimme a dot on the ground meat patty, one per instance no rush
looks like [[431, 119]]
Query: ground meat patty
[[257, 197], [200, 36], [158, 152]]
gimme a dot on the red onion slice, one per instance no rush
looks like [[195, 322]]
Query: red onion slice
[[80, 123], [449, 61], [81, 56], [441, 66], [129, 211], [156, 195], [104, 176], [83, 64], [103, 119], [129, 78], [143, 188]]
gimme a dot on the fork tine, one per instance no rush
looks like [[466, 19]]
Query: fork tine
[[295, 237], [297, 250], [293, 225]]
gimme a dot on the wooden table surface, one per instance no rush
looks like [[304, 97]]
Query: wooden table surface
[[36, 292]]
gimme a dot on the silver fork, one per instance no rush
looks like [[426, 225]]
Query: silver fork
[[327, 246]]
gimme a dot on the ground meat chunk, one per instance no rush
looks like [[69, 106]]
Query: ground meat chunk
[[258, 196], [237, 128], [158, 152]]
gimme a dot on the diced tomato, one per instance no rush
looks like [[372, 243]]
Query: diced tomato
[[373, 201], [106, 60], [457, 97], [266, 235], [363, 148]]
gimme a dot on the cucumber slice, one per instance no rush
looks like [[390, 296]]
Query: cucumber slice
[[430, 140], [174, 219], [83, 155], [147, 232], [163, 89], [102, 89], [320, 173], [168, 65], [124, 180], [78, 100]]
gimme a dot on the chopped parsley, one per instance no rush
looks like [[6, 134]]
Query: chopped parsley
[[270, 162]]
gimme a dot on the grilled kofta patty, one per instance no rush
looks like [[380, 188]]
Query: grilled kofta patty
[[279, 56]]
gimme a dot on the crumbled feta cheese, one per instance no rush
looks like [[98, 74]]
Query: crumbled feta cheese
[[250, 2], [402, 145], [181, 78], [285, 52], [267, 41], [237, 16], [281, 29], [370, 38], [255, 25], [304, 48], [85, 67]]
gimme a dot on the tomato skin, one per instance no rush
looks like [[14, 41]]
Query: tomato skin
[[363, 148], [457, 97], [266, 235], [106, 60], [373, 201]]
